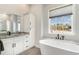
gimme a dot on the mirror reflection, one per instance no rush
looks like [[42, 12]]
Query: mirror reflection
[[10, 23]]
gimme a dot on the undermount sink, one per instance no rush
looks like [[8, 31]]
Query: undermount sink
[[66, 45]]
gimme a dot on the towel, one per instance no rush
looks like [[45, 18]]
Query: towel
[[1, 46]]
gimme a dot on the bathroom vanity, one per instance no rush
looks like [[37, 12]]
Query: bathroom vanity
[[17, 32], [16, 43], [58, 47]]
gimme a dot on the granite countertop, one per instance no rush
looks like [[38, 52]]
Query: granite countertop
[[5, 36]]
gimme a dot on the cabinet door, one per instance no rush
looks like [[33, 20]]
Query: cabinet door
[[32, 30], [18, 45], [31, 41], [8, 46]]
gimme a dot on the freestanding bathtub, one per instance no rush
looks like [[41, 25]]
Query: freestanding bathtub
[[58, 47]]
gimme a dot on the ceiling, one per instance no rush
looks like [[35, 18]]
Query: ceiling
[[14, 8]]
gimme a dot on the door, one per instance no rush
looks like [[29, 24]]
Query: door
[[32, 29]]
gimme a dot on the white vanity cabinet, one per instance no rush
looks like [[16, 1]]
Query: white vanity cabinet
[[28, 42], [16, 45], [8, 46]]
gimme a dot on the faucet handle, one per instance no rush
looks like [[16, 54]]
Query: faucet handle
[[62, 37], [58, 36]]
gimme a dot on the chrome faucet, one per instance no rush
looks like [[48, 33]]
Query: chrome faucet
[[60, 38], [57, 36]]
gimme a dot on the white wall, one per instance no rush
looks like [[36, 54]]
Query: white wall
[[45, 23], [37, 11], [45, 19]]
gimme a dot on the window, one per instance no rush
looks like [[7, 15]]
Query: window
[[61, 20], [60, 23]]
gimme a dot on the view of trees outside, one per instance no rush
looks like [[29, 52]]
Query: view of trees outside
[[62, 23]]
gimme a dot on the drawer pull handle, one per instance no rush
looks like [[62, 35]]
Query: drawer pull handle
[[13, 45], [26, 41], [26, 46]]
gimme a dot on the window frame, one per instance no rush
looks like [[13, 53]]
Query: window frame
[[61, 32]]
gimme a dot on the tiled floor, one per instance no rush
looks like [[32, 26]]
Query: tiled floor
[[32, 51]]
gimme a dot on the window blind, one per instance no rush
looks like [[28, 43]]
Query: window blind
[[61, 11]]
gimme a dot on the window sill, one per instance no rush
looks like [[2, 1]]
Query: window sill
[[62, 32]]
